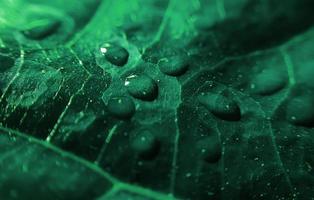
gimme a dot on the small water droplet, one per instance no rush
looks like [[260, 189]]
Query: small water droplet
[[300, 110], [188, 175], [121, 107], [42, 28], [221, 106], [115, 54], [209, 149], [142, 87], [268, 82], [173, 66], [145, 144]]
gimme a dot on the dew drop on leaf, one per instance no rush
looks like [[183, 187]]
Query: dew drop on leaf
[[142, 87], [300, 110], [115, 54], [173, 66], [268, 82], [121, 107], [220, 106], [42, 28], [209, 149], [145, 144]]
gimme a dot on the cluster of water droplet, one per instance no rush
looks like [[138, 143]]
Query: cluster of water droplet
[[114, 57]]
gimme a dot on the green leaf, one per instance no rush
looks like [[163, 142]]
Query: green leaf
[[161, 99]]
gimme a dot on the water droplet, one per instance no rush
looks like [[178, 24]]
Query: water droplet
[[142, 87], [300, 110], [121, 107], [145, 144], [5, 63], [115, 54], [221, 106], [209, 149], [268, 82], [173, 66], [42, 28], [188, 175]]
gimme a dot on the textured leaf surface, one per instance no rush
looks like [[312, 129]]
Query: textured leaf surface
[[156, 99]]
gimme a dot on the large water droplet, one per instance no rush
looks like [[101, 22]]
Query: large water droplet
[[142, 87], [300, 110], [121, 107], [145, 144], [115, 54], [42, 28], [268, 82], [173, 66], [221, 106], [209, 149], [5, 63]]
